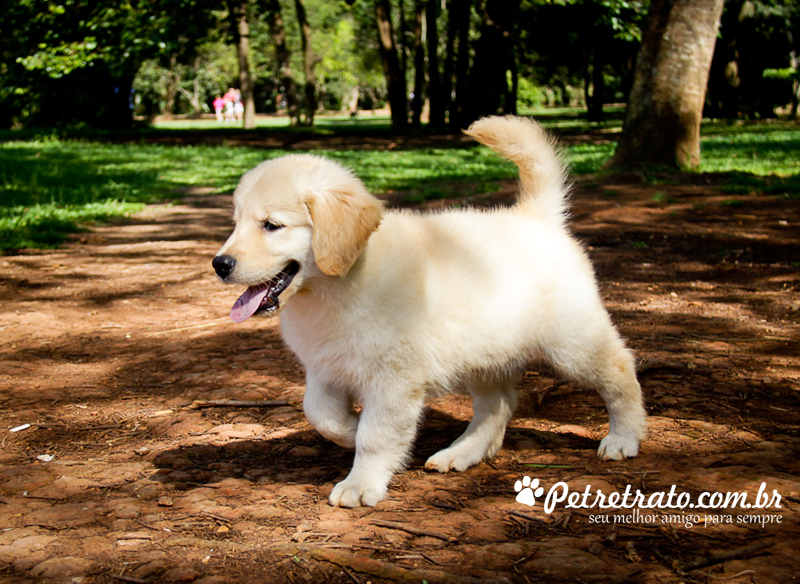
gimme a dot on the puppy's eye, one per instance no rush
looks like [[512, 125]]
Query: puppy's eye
[[272, 226]]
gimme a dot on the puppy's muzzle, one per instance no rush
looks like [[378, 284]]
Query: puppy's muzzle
[[223, 265]]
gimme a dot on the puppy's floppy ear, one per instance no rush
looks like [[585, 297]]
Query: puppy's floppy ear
[[343, 219]]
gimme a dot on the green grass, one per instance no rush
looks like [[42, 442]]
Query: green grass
[[322, 124], [759, 150], [50, 187]]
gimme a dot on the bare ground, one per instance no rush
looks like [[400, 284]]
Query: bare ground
[[107, 345]]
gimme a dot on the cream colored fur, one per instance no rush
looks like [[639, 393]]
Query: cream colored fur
[[390, 308]]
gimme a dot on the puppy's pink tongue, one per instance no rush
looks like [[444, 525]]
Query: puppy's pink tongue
[[248, 303]]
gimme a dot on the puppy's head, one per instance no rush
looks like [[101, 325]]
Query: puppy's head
[[297, 217]]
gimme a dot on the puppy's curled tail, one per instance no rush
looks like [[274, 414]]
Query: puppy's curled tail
[[543, 188]]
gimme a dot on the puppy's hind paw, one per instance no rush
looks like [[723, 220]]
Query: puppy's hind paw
[[615, 447], [353, 493], [451, 459]]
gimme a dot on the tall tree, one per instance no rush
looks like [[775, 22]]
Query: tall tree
[[238, 10], [287, 85], [755, 53], [487, 84], [310, 102], [665, 107], [460, 11], [435, 95], [395, 80], [419, 66], [75, 63]]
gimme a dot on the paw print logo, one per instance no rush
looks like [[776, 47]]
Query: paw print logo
[[528, 491]]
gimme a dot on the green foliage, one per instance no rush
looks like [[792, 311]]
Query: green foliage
[[529, 95], [50, 186], [63, 59], [61, 49], [785, 74]]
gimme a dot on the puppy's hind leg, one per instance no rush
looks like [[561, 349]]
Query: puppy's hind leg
[[493, 403], [609, 368], [330, 411]]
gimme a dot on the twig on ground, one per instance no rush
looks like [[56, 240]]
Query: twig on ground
[[43, 497], [131, 579], [148, 526], [194, 326], [528, 517], [540, 395], [413, 530], [716, 557], [715, 577], [238, 403], [373, 567], [630, 553], [352, 576]]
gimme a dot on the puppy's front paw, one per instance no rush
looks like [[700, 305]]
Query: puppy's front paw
[[616, 447], [353, 492]]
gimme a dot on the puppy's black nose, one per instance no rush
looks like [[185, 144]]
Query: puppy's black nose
[[223, 265]]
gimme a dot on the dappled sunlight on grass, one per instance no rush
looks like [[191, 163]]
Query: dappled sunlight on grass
[[50, 186], [759, 153]]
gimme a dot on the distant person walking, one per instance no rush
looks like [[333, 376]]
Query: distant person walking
[[238, 105], [230, 107], [219, 105]]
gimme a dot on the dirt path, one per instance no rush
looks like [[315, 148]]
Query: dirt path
[[108, 343]]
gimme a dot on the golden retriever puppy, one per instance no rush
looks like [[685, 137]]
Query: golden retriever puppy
[[388, 308]]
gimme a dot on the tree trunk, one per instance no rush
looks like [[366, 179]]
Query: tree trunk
[[238, 11], [419, 68], [449, 61], [193, 97], [308, 63], [395, 81], [793, 61], [282, 57], [594, 102], [172, 82], [462, 10], [665, 107], [510, 106], [487, 85], [435, 95]]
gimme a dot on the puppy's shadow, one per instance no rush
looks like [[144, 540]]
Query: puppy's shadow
[[306, 457], [439, 430]]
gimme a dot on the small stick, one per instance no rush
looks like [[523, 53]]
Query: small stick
[[195, 326], [238, 403], [528, 517], [545, 392], [131, 579], [148, 526], [716, 557], [413, 530], [630, 553], [352, 576]]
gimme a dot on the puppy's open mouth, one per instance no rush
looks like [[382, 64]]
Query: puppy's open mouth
[[263, 298]]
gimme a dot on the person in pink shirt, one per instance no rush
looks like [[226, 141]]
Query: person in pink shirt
[[219, 105]]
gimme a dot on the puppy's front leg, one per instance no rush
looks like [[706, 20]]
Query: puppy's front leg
[[386, 430], [330, 411]]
